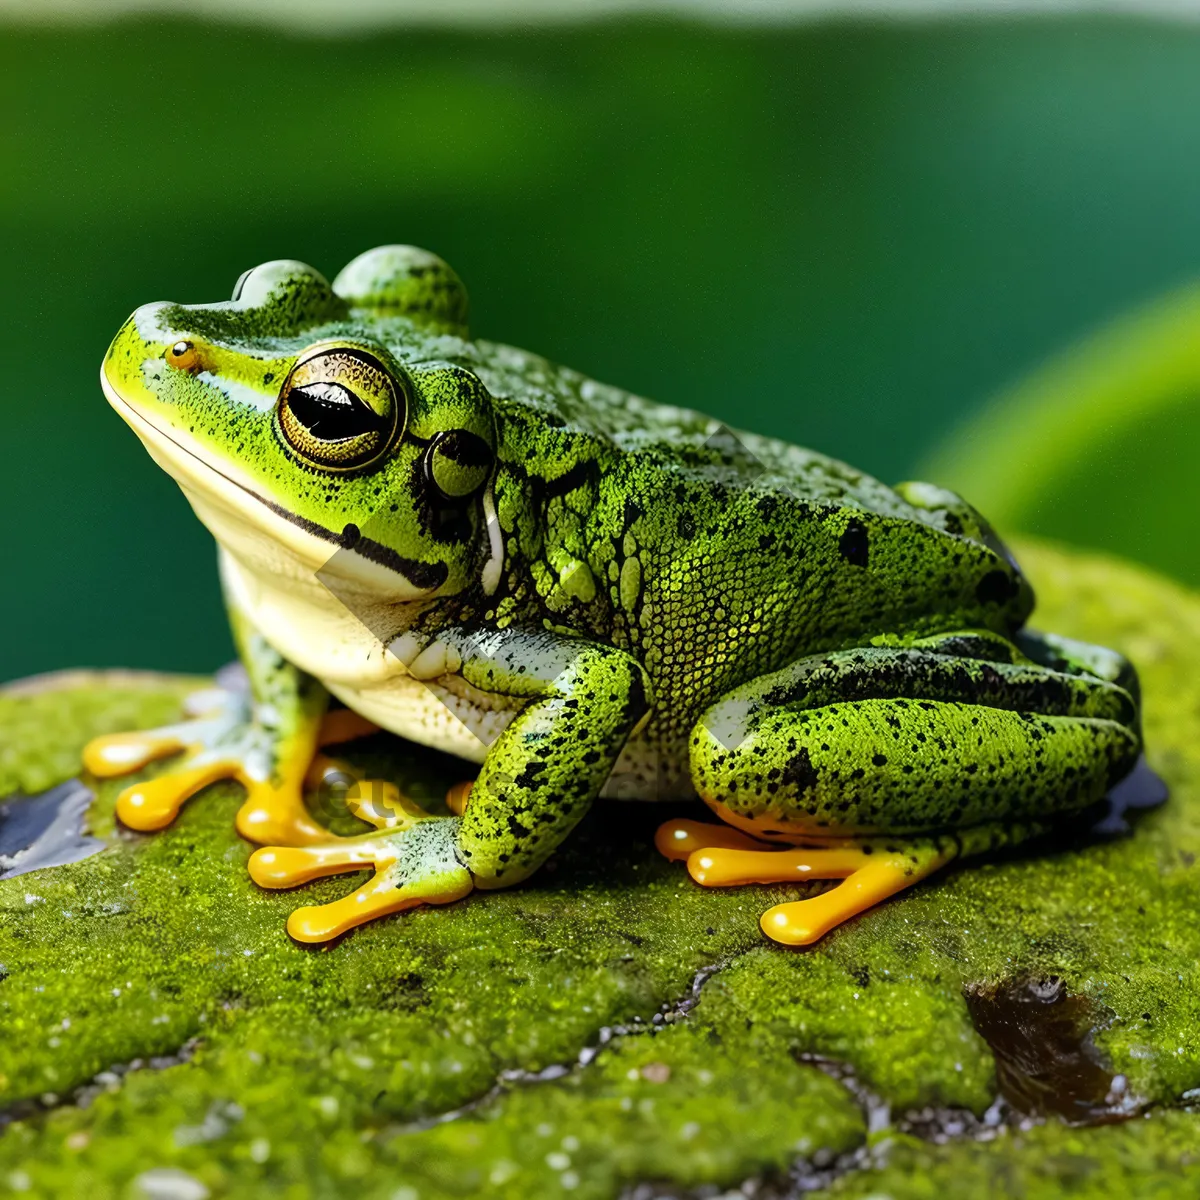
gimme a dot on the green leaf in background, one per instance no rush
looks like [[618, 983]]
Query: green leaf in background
[[1099, 446]]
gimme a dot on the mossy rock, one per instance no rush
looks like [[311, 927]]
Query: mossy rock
[[609, 1027]]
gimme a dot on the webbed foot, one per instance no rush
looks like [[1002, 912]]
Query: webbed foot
[[872, 869], [415, 857], [222, 739]]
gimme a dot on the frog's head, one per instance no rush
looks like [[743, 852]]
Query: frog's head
[[319, 428]]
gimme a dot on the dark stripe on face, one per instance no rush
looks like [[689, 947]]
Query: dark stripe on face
[[581, 473], [420, 574]]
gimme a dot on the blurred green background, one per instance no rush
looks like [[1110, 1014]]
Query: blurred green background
[[862, 237]]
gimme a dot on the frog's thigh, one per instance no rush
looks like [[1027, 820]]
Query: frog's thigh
[[785, 758], [868, 780]]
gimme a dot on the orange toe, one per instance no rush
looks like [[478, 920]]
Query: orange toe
[[288, 866], [677, 840], [123, 753], [155, 803]]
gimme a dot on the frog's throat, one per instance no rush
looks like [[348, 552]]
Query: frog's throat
[[237, 515]]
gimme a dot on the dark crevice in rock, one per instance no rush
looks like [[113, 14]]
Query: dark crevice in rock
[[1011, 1111], [668, 1014], [106, 1081], [932, 1123]]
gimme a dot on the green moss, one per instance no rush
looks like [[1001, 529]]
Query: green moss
[[44, 730], [1154, 1158], [314, 1072]]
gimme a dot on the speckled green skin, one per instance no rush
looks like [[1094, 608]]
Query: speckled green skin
[[313, 1067], [811, 651]]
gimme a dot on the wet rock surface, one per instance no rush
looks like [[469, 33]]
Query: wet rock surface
[[1043, 1040], [1027, 1023]]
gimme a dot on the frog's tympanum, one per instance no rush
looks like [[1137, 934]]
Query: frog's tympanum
[[588, 595]]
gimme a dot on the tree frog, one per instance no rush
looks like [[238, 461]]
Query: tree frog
[[588, 595]]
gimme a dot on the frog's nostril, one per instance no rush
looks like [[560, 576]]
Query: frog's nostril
[[182, 355]]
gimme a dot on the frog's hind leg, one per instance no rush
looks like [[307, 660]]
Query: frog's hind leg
[[873, 869], [884, 763]]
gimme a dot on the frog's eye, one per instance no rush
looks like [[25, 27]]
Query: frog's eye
[[457, 464], [339, 407], [182, 355]]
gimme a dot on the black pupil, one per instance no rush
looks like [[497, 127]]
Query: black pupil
[[465, 449], [333, 413]]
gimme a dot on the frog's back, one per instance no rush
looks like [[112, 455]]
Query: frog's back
[[856, 556], [681, 443]]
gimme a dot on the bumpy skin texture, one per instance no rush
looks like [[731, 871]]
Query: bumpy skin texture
[[610, 595]]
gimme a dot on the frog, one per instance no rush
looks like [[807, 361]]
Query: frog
[[583, 595]]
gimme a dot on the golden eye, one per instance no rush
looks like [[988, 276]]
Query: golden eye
[[183, 355], [339, 407]]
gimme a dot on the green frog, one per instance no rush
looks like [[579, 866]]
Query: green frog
[[588, 595]]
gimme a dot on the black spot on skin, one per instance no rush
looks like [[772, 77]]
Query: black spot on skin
[[687, 526], [853, 545], [576, 477], [767, 505], [350, 536], [529, 776], [996, 587], [799, 772]]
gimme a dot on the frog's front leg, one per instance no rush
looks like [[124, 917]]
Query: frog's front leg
[[266, 740], [885, 762], [582, 701]]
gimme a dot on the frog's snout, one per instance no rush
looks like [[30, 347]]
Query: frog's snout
[[124, 356], [141, 337], [145, 363]]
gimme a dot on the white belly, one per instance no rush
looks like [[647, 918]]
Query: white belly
[[316, 632], [431, 715]]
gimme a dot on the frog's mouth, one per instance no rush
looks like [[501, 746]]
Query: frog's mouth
[[355, 562]]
